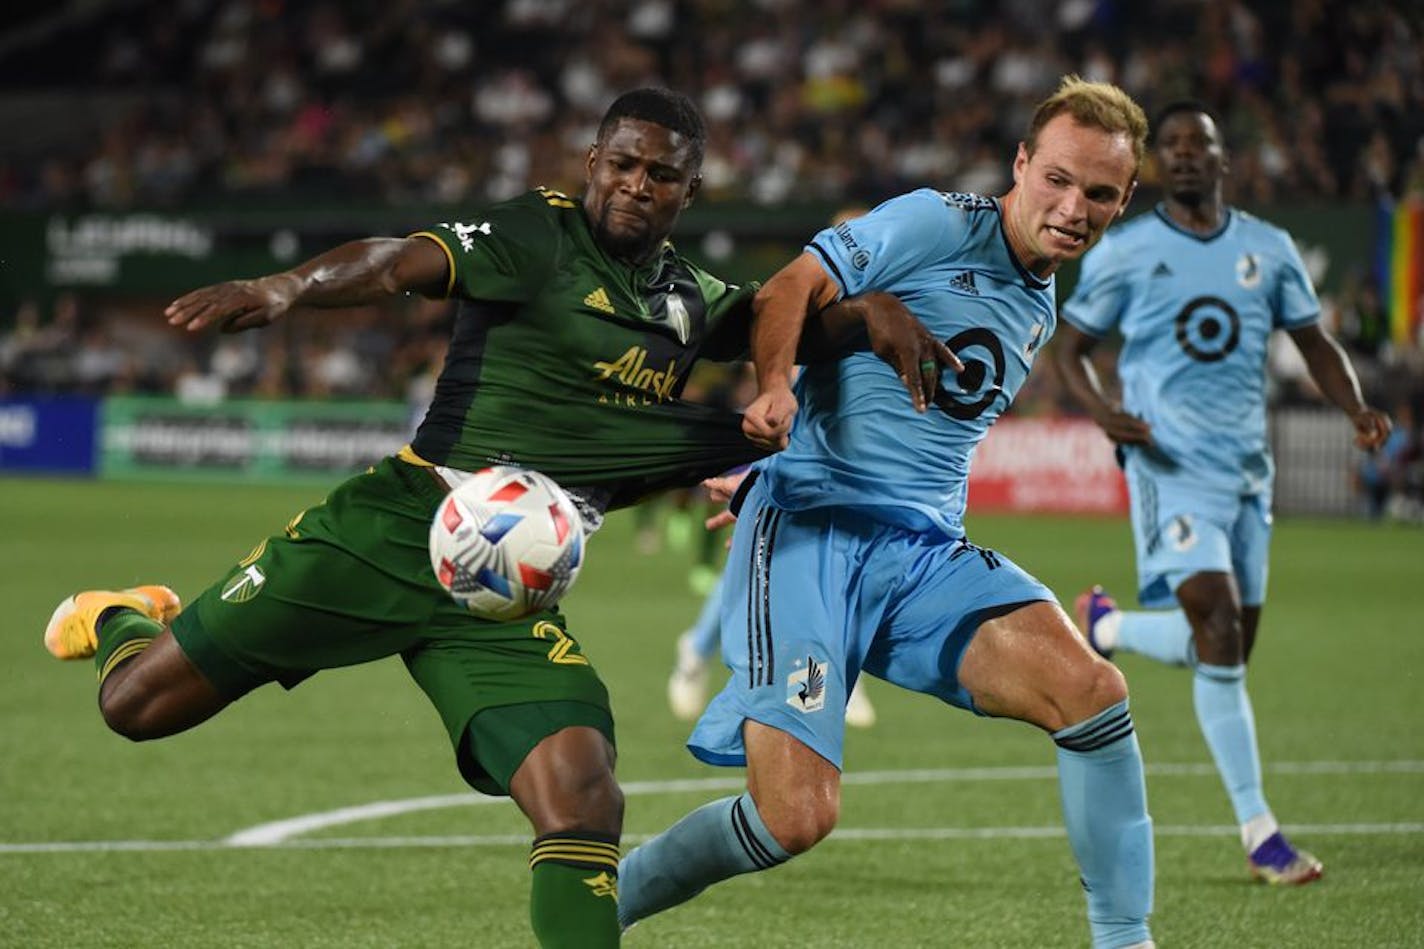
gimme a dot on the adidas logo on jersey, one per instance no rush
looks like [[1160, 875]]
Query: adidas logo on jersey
[[964, 283], [1162, 270], [598, 299]]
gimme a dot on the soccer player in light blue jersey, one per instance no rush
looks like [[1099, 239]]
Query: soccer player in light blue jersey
[[849, 552], [1196, 287]]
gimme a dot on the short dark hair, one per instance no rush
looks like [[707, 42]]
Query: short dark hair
[[672, 110], [1180, 106]]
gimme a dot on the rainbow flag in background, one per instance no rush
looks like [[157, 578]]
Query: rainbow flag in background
[[1399, 264]]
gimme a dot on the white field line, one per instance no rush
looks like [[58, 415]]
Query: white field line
[[840, 834], [283, 833]]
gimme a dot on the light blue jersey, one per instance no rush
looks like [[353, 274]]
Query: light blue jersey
[[857, 442], [1195, 313]]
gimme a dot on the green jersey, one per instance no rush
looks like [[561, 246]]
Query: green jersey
[[568, 361]]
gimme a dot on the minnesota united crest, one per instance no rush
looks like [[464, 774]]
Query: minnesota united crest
[[806, 687]]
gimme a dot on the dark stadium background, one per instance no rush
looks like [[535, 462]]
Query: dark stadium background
[[151, 147]]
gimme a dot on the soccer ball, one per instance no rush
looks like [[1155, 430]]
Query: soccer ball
[[506, 543]]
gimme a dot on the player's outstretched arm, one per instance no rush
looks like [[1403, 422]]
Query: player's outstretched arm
[[1332, 372], [358, 272], [1071, 350], [779, 311], [885, 325]]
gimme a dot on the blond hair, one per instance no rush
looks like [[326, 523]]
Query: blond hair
[[1098, 104]]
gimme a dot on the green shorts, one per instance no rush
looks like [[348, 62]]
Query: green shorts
[[349, 581]]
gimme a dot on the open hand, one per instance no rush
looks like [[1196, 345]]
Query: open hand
[[233, 306], [898, 337], [1125, 429]]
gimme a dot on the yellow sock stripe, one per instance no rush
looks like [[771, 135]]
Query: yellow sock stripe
[[575, 851], [576, 844], [126, 651]]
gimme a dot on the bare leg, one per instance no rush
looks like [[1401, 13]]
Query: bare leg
[[565, 786], [158, 693]]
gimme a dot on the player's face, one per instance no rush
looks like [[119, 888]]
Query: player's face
[[1189, 156], [1077, 181], [640, 177]]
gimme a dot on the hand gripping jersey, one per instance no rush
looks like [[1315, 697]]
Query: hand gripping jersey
[[1195, 313], [566, 360], [857, 442]]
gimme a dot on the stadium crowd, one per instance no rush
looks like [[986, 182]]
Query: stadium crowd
[[215, 102], [812, 99]]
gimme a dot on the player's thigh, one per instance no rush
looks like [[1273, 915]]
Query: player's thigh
[[347, 581], [501, 689], [802, 596], [1251, 548], [1032, 665], [950, 593], [1178, 530]]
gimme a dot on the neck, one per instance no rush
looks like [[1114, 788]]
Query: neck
[[1200, 214], [1036, 264]]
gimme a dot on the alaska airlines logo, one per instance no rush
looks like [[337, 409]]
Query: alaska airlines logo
[[630, 370]]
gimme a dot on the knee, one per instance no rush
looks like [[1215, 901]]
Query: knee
[[798, 825], [1095, 686], [604, 803], [588, 800]]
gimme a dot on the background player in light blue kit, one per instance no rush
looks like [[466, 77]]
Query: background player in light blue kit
[[1196, 287], [849, 553]]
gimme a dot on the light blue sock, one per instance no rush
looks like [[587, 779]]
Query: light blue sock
[[1105, 810], [714, 842], [707, 631], [1229, 727], [1164, 635]]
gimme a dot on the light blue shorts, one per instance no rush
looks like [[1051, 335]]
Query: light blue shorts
[[1181, 528], [813, 598]]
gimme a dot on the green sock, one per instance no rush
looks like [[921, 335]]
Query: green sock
[[573, 903], [123, 634]]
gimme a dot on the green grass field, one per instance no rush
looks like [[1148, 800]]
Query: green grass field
[[950, 834]]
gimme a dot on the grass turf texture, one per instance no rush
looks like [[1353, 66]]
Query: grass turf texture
[[1335, 679]]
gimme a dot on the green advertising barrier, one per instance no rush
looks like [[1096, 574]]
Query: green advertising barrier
[[164, 253], [246, 439]]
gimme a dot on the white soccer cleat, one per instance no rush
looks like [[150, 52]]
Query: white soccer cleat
[[687, 686]]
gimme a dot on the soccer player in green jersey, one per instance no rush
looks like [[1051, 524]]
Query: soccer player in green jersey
[[577, 326]]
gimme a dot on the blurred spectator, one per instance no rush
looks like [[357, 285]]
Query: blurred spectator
[[807, 99], [1392, 479]]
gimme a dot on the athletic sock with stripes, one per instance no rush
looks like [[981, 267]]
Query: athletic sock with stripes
[[1229, 727], [573, 902], [718, 840], [123, 634], [1164, 635], [1104, 800]]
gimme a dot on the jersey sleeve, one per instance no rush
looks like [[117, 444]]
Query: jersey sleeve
[[506, 254], [1296, 304], [879, 249], [1099, 298]]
